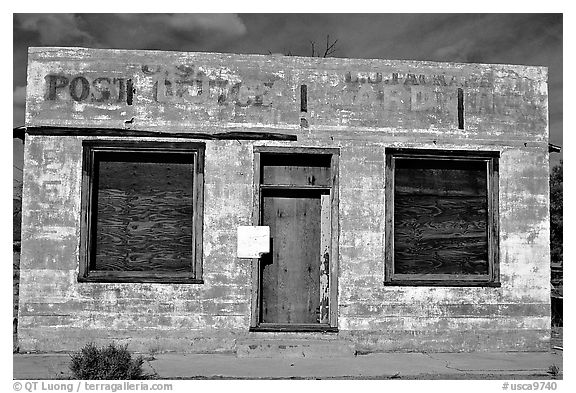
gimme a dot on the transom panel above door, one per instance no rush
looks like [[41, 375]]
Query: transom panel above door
[[296, 195]]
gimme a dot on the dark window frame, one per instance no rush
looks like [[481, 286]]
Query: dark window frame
[[492, 279], [87, 226]]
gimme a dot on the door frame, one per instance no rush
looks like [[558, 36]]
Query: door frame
[[255, 324]]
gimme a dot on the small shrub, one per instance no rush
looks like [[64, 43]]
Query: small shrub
[[553, 370], [109, 362]]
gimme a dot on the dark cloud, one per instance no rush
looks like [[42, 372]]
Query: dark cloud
[[164, 31], [496, 38], [19, 105], [133, 31], [19, 96], [54, 29]]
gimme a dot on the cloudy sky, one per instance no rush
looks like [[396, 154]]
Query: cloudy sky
[[529, 39]]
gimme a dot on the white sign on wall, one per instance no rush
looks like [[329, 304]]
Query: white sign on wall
[[253, 241]]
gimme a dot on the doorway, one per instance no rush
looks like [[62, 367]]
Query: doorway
[[297, 199]]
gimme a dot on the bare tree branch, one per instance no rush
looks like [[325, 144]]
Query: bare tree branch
[[330, 47], [312, 44], [329, 51]]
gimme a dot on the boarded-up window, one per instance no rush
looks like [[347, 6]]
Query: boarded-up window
[[441, 217], [142, 208]]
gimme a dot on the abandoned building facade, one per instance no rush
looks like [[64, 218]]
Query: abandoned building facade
[[201, 202]]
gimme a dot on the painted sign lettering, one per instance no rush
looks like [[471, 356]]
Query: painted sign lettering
[[205, 87], [81, 89], [419, 92], [187, 83]]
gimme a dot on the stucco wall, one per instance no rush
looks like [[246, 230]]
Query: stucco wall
[[358, 106]]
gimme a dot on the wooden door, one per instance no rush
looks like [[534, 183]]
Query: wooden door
[[291, 272], [295, 202]]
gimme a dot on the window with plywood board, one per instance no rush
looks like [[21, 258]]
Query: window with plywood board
[[295, 195], [441, 217], [142, 212]]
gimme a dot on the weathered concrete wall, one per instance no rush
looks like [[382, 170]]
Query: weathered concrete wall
[[358, 106], [172, 91], [15, 293]]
